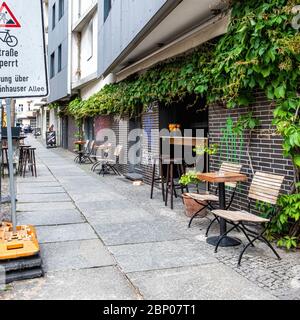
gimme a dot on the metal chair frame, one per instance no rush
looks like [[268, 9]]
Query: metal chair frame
[[249, 233]]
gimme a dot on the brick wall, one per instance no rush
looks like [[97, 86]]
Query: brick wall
[[266, 145]]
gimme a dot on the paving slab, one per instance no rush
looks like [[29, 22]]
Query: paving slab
[[205, 282], [122, 215], [87, 284], [69, 232], [138, 232], [38, 185], [95, 196], [161, 255], [75, 255], [45, 206], [48, 178], [104, 205], [41, 190], [50, 217], [36, 198]]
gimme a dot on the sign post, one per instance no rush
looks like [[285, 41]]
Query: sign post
[[11, 165], [22, 64]]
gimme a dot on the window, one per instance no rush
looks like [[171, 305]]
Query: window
[[59, 67], [61, 9], [91, 40], [20, 108], [52, 65], [53, 16], [107, 7]]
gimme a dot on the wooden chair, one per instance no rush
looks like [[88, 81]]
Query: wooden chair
[[207, 200], [101, 155], [88, 152], [80, 153], [265, 187], [111, 164]]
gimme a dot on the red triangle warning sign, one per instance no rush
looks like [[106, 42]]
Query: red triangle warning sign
[[7, 18]]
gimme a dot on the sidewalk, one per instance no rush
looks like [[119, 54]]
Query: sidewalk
[[103, 238]]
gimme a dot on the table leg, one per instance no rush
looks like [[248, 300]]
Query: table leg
[[227, 241], [80, 154]]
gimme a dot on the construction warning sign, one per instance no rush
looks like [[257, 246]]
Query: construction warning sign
[[23, 71], [7, 18]]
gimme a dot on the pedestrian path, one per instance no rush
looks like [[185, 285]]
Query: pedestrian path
[[103, 238]]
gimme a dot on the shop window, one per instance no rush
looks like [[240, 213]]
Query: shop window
[[107, 8], [53, 16], [61, 9]]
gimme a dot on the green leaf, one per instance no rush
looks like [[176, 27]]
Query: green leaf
[[296, 160], [280, 92]]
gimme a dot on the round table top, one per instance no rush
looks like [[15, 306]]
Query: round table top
[[79, 142]]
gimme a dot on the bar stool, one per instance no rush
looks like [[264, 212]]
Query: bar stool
[[158, 160], [29, 159], [32, 163], [4, 156], [22, 154], [171, 187]]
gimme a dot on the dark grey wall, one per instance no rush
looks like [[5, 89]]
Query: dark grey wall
[[59, 83], [126, 19]]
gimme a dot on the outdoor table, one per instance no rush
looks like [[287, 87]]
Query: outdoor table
[[80, 144], [221, 178]]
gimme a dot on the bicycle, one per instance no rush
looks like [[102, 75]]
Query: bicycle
[[10, 40]]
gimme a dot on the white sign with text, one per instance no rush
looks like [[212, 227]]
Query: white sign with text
[[23, 69]]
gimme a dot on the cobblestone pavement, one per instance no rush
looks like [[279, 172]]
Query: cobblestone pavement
[[103, 238]]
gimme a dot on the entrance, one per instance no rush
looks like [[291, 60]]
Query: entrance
[[135, 167], [64, 130]]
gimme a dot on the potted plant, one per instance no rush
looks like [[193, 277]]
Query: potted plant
[[191, 178], [191, 206]]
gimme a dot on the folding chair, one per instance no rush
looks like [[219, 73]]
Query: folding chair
[[101, 155], [79, 157], [207, 200], [88, 152], [111, 164], [265, 187]]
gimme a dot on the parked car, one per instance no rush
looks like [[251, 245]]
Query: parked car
[[27, 129]]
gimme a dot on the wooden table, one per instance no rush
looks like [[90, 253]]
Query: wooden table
[[221, 178]]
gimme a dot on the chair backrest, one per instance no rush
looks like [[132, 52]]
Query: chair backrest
[[265, 187], [231, 167], [86, 145], [118, 151], [91, 146]]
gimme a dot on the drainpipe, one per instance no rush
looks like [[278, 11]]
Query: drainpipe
[[78, 71]]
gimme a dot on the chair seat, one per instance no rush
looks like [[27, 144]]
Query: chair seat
[[239, 216], [203, 197]]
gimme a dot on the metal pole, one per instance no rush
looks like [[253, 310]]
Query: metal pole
[[1, 153], [11, 165]]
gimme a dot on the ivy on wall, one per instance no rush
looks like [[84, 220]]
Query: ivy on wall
[[261, 50]]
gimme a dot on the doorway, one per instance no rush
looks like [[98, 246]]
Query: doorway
[[135, 166]]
